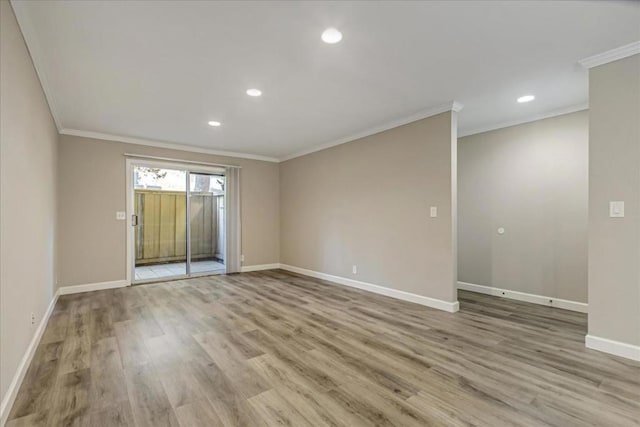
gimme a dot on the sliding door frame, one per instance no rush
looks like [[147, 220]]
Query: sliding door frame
[[130, 234]]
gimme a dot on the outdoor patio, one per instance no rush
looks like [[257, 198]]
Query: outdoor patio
[[161, 271]]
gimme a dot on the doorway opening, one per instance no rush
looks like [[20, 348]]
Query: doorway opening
[[178, 221]]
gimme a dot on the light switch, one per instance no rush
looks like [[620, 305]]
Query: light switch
[[121, 216], [434, 211], [616, 209]]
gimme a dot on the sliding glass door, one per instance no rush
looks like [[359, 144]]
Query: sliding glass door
[[160, 223], [206, 223], [178, 222]]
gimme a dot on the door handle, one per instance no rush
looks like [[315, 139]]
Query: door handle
[[134, 220]]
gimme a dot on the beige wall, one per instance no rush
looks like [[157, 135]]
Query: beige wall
[[28, 139], [614, 174], [92, 243], [367, 203], [531, 179]]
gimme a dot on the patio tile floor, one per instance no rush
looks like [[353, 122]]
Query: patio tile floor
[[160, 271]]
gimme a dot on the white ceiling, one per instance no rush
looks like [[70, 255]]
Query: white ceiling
[[160, 70]]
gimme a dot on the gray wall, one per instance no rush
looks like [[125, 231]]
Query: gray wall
[[614, 174], [92, 243], [28, 139], [367, 203], [531, 179]]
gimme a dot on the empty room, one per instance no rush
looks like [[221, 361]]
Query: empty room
[[319, 213]]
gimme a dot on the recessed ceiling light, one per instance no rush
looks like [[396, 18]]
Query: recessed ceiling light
[[214, 123], [331, 36], [254, 92], [526, 98]]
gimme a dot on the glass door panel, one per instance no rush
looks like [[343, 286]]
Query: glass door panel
[[206, 223], [160, 218]]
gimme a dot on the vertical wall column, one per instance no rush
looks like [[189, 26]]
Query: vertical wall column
[[614, 175], [454, 199]]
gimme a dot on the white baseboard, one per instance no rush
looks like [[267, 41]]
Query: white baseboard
[[65, 290], [248, 268], [10, 396], [451, 307], [616, 348], [523, 296]]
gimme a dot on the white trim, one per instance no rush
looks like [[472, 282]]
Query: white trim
[[172, 160], [611, 55], [26, 27], [456, 106], [66, 290], [553, 113], [248, 268], [523, 296], [10, 396], [128, 223], [163, 144], [616, 348], [451, 307], [438, 109]]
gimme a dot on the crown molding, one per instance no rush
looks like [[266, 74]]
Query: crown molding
[[611, 55], [558, 112], [423, 114], [162, 144], [28, 34], [456, 106]]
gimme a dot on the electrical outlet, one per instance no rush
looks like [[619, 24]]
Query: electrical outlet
[[121, 216], [241, 258], [33, 319], [616, 209], [354, 269]]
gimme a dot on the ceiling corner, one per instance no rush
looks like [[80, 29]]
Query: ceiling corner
[[30, 39]]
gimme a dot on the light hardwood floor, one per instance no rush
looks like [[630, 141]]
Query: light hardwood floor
[[275, 348]]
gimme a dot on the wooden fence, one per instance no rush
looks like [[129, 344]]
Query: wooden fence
[[161, 234]]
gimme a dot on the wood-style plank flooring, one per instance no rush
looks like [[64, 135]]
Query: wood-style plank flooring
[[274, 348]]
